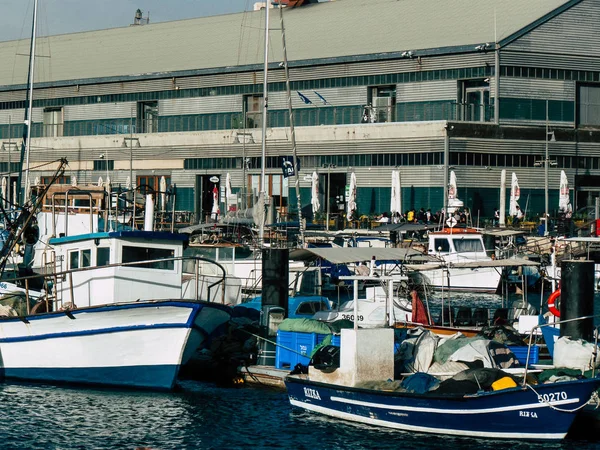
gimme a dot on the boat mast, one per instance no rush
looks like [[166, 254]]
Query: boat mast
[[263, 196], [292, 130], [28, 108]]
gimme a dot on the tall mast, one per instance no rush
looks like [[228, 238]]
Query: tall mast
[[28, 108], [263, 192], [292, 130]]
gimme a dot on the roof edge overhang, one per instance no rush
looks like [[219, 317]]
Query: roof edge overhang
[[274, 66]]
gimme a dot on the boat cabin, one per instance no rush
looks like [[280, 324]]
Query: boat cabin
[[115, 267], [458, 244]]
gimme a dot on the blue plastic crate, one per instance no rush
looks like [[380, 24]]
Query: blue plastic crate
[[335, 339], [521, 353], [303, 343]]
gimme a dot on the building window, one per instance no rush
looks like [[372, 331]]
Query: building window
[[53, 122], [382, 103], [44, 181], [475, 101], [253, 105], [149, 184], [588, 105], [147, 117], [104, 164]]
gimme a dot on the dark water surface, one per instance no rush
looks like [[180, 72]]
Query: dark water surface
[[203, 416], [198, 416]]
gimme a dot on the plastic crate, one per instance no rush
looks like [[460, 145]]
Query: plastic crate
[[303, 343], [335, 339], [521, 353]]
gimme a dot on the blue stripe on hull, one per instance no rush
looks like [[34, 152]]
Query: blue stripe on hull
[[513, 413], [161, 377]]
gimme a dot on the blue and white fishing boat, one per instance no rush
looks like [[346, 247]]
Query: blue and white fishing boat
[[350, 389], [541, 412], [117, 315]]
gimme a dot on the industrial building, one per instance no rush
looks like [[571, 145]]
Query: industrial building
[[423, 87]]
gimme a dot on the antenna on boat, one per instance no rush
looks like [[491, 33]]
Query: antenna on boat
[[262, 198], [28, 108], [292, 130]]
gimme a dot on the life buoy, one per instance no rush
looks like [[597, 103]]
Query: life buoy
[[554, 303]]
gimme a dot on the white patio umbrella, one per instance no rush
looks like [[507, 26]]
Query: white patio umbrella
[[74, 180], [564, 201], [453, 202], [351, 205], [515, 194], [215, 207], [100, 181], [396, 200], [4, 184], [163, 193], [314, 193], [228, 192], [128, 182]]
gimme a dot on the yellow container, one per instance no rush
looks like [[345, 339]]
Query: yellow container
[[503, 383]]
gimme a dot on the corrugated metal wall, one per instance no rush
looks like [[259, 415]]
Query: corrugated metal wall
[[575, 32], [427, 91]]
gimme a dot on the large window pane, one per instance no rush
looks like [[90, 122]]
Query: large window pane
[[141, 254]]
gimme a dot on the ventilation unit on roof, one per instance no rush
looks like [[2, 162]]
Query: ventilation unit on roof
[[139, 18]]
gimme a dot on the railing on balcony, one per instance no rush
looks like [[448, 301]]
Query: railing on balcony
[[313, 116]]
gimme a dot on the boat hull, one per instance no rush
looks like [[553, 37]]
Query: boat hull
[[482, 279], [509, 414], [141, 345]]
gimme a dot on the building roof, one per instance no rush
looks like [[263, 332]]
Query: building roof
[[336, 31]]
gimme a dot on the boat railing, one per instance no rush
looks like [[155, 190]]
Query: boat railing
[[559, 322], [50, 273]]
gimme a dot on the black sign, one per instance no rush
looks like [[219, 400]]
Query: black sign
[[287, 165]]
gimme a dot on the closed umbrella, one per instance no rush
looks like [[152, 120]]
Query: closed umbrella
[[228, 193], [351, 206], [453, 202], [564, 201], [163, 193], [215, 207], [314, 193], [4, 184], [515, 194], [396, 194]]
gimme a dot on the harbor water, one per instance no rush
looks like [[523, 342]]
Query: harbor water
[[203, 416], [199, 416]]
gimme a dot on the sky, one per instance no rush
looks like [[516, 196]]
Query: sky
[[69, 16]]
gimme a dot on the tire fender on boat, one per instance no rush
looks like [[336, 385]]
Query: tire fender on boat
[[554, 303]]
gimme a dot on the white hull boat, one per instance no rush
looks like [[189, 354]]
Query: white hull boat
[[141, 345]]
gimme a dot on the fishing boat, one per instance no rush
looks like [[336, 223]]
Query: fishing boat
[[465, 265], [117, 314], [509, 411], [523, 412]]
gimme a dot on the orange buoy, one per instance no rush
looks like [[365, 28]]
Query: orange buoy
[[554, 303]]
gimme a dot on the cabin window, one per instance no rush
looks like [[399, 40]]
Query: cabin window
[[74, 260], [311, 307], [86, 258], [468, 245], [442, 245], [80, 258], [142, 254], [102, 256]]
